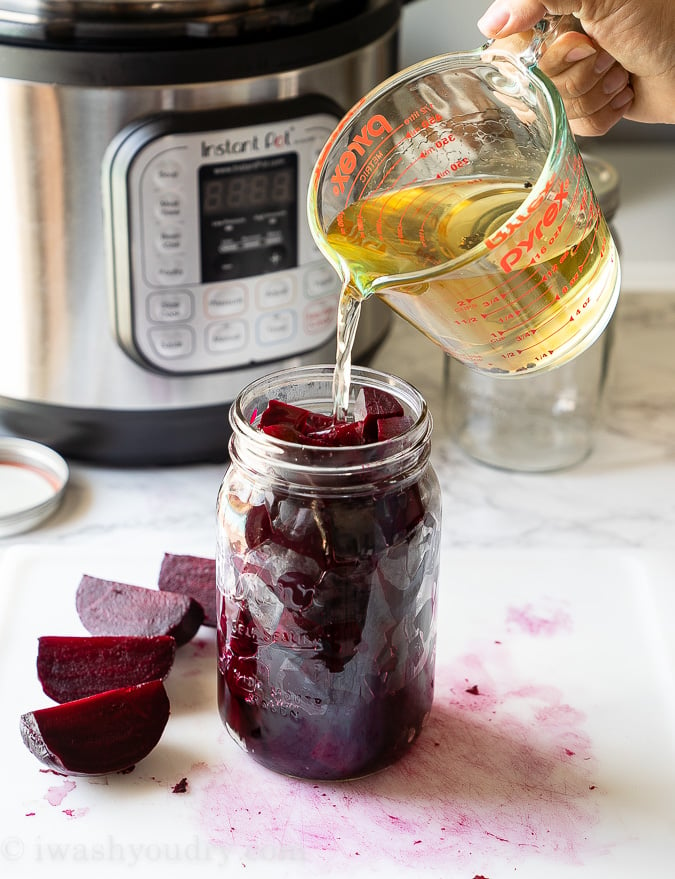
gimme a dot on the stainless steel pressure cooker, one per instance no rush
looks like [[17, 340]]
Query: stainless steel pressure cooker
[[154, 163]]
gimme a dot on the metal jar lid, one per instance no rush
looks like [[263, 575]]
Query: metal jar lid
[[33, 480]]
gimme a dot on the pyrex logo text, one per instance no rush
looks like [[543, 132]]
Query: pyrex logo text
[[375, 127], [536, 232]]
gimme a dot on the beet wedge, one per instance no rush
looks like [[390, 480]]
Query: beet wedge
[[378, 415], [192, 576], [72, 668], [109, 732], [107, 607]]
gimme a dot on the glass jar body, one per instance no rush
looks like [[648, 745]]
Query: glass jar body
[[327, 567]]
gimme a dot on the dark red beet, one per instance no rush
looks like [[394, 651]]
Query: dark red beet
[[378, 416], [314, 421], [277, 412], [340, 433], [388, 428], [373, 401], [109, 732], [258, 526], [285, 432], [107, 607], [286, 419], [72, 668], [192, 576]]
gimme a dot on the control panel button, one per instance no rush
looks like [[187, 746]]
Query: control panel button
[[225, 301], [226, 336], [170, 306], [321, 281], [169, 239], [275, 291], [276, 257], [319, 318], [168, 271], [172, 343], [276, 327], [166, 171], [169, 206]]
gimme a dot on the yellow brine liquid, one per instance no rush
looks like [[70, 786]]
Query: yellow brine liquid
[[528, 278]]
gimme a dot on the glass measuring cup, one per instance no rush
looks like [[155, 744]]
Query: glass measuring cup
[[456, 193]]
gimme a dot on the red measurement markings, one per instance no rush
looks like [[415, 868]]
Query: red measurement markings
[[511, 304], [540, 341], [422, 236], [368, 157], [421, 196]]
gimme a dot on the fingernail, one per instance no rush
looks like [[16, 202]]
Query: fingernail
[[493, 20], [624, 97], [578, 53], [614, 80], [604, 62]]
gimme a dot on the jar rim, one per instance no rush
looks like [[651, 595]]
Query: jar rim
[[331, 461]]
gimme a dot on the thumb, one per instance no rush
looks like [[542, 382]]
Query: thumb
[[506, 17]]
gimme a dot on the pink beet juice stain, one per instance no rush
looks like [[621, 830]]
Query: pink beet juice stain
[[57, 793], [538, 623], [75, 813], [502, 771]]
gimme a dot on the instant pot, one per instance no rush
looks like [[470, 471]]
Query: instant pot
[[154, 163]]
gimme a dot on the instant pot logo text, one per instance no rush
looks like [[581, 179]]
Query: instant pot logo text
[[271, 140], [375, 127]]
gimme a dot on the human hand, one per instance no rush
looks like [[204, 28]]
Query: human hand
[[591, 70]]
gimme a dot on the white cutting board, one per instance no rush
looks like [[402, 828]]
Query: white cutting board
[[562, 764]]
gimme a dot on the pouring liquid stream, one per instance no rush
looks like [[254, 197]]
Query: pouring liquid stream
[[504, 311]]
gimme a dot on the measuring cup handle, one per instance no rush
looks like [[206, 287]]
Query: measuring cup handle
[[542, 35], [544, 32]]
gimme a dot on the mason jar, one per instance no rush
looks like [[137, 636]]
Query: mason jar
[[327, 571]]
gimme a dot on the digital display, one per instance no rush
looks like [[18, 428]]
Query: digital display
[[262, 190], [248, 217]]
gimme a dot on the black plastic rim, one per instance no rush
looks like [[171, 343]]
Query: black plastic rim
[[194, 59]]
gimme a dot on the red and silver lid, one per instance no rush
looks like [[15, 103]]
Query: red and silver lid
[[33, 480]]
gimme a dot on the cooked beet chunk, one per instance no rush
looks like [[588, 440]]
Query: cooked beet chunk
[[107, 607], [109, 732], [340, 433], [373, 401], [278, 412], [72, 668], [377, 416], [192, 576], [388, 428]]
